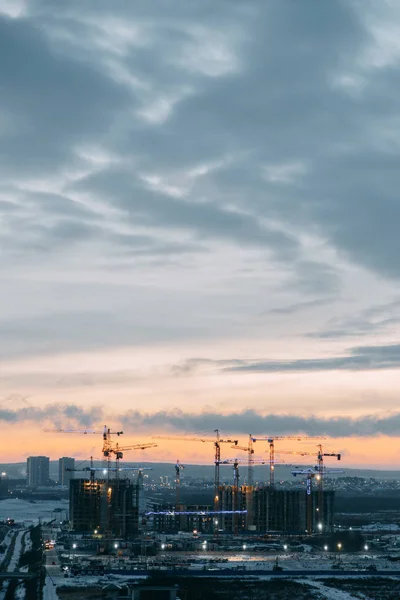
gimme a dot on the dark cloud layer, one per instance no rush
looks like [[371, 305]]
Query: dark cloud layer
[[176, 421], [251, 421], [55, 100], [358, 358], [61, 415], [361, 358], [375, 319], [264, 90]]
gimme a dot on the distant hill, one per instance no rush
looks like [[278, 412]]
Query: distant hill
[[261, 473]]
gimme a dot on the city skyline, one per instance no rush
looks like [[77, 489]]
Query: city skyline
[[198, 225]]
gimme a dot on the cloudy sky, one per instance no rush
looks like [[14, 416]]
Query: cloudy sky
[[199, 222]]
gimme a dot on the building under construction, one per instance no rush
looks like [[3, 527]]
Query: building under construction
[[261, 510], [274, 510], [191, 518], [109, 507]]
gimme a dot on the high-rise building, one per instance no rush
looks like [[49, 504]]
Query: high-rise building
[[104, 506], [65, 470], [38, 471]]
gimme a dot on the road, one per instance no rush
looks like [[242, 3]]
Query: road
[[53, 573], [263, 573]]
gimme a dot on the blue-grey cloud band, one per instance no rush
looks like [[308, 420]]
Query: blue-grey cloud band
[[179, 422]]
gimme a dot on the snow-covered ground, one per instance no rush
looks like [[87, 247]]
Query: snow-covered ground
[[29, 513], [49, 590], [289, 560], [329, 593], [19, 593], [28, 542], [13, 564]]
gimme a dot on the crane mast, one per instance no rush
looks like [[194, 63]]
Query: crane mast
[[320, 462], [217, 459], [178, 469], [312, 473], [271, 441]]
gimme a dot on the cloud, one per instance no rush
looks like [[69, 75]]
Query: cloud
[[60, 415], [375, 319], [206, 162], [253, 422], [178, 422], [56, 100], [361, 358], [206, 218], [300, 306]]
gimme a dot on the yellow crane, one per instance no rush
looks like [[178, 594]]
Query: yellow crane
[[217, 441], [271, 441]]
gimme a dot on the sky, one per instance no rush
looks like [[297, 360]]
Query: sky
[[199, 224]]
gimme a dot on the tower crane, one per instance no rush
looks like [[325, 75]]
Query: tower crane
[[178, 469], [310, 473], [235, 490], [250, 451], [217, 445], [118, 452], [271, 441], [93, 470], [217, 455], [320, 458], [109, 448], [320, 476]]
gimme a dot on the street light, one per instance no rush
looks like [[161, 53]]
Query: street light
[[116, 545], [162, 546], [319, 526], [326, 548], [366, 547], [285, 547], [244, 547], [339, 546]]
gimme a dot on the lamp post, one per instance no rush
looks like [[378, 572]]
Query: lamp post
[[339, 547], [74, 546]]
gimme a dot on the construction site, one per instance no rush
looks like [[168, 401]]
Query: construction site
[[106, 503]]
